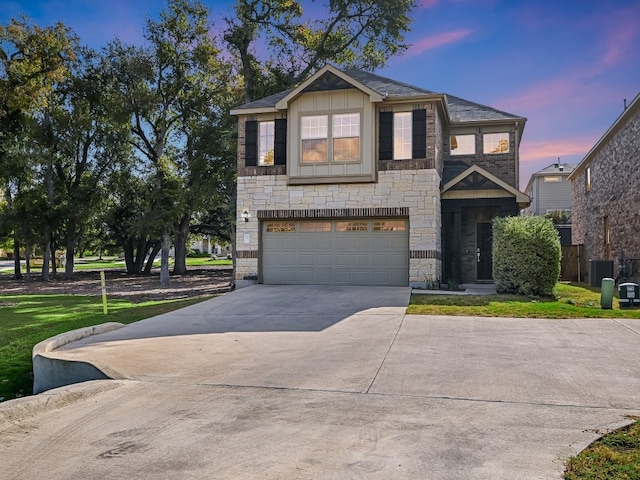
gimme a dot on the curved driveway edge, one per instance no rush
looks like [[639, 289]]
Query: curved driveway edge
[[51, 372]]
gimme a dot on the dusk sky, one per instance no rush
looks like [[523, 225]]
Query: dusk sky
[[565, 65]]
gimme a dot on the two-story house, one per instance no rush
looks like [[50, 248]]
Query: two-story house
[[355, 179]]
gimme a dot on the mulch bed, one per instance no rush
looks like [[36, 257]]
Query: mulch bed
[[198, 282]]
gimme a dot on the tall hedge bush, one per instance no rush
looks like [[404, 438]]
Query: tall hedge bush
[[526, 255]]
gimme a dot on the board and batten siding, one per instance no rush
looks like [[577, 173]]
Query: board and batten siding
[[331, 102]]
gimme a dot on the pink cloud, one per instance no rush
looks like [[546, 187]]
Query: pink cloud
[[543, 95], [620, 32], [552, 149], [435, 41], [619, 43]]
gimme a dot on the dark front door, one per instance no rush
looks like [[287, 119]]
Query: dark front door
[[483, 251]]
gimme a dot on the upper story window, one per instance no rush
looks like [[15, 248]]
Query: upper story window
[[463, 144], [552, 179], [265, 143], [401, 135], [342, 145], [346, 136], [266, 137], [496, 142]]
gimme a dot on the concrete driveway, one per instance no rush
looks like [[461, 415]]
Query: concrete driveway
[[326, 382]]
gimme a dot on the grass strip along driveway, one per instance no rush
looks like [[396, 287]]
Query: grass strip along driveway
[[570, 301], [26, 320]]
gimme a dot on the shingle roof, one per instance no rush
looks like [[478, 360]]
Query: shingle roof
[[383, 85], [554, 169], [460, 110]]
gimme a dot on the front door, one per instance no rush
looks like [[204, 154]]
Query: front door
[[484, 247]]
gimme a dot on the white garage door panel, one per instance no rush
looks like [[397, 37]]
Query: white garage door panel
[[315, 255]]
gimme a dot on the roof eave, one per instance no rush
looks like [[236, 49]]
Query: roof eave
[[253, 111]]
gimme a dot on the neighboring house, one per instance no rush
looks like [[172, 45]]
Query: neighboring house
[[355, 179], [207, 244], [606, 192], [550, 191]]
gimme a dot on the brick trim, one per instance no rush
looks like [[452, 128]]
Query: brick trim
[[334, 213], [247, 254], [417, 164], [262, 170], [425, 254]]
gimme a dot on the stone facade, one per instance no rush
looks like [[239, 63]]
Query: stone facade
[[378, 184], [413, 191], [606, 210]]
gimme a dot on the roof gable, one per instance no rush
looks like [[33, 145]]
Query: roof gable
[[478, 176], [324, 79]]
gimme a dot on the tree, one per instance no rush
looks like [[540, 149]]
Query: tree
[[85, 142], [32, 61], [558, 217], [172, 91], [354, 33]]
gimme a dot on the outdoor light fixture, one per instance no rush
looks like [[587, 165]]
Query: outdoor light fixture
[[245, 215]]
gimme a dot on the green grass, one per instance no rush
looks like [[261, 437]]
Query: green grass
[[615, 456], [26, 320], [570, 301], [116, 263]]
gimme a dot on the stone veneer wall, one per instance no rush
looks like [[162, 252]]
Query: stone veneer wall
[[415, 190], [615, 192]]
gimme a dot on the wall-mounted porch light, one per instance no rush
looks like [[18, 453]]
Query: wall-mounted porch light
[[245, 215]]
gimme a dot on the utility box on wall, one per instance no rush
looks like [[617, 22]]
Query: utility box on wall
[[629, 295], [599, 269]]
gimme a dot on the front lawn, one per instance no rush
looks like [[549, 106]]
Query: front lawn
[[26, 320], [614, 456], [570, 301]]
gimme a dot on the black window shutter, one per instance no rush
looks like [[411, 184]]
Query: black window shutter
[[251, 143], [419, 134], [385, 145], [280, 142]]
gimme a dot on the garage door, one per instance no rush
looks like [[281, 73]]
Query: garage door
[[336, 252]]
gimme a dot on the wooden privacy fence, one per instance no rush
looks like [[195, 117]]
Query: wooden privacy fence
[[574, 267]]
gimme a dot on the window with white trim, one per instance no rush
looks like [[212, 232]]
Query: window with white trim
[[343, 145], [402, 135], [496, 142], [266, 139], [463, 144]]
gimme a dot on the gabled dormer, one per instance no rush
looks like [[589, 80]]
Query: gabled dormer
[[340, 127]]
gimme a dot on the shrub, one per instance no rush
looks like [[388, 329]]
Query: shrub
[[526, 255]]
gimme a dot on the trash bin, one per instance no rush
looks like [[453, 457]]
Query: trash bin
[[606, 293], [629, 295]]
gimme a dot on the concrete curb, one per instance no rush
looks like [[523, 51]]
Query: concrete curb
[[51, 372], [21, 409]]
